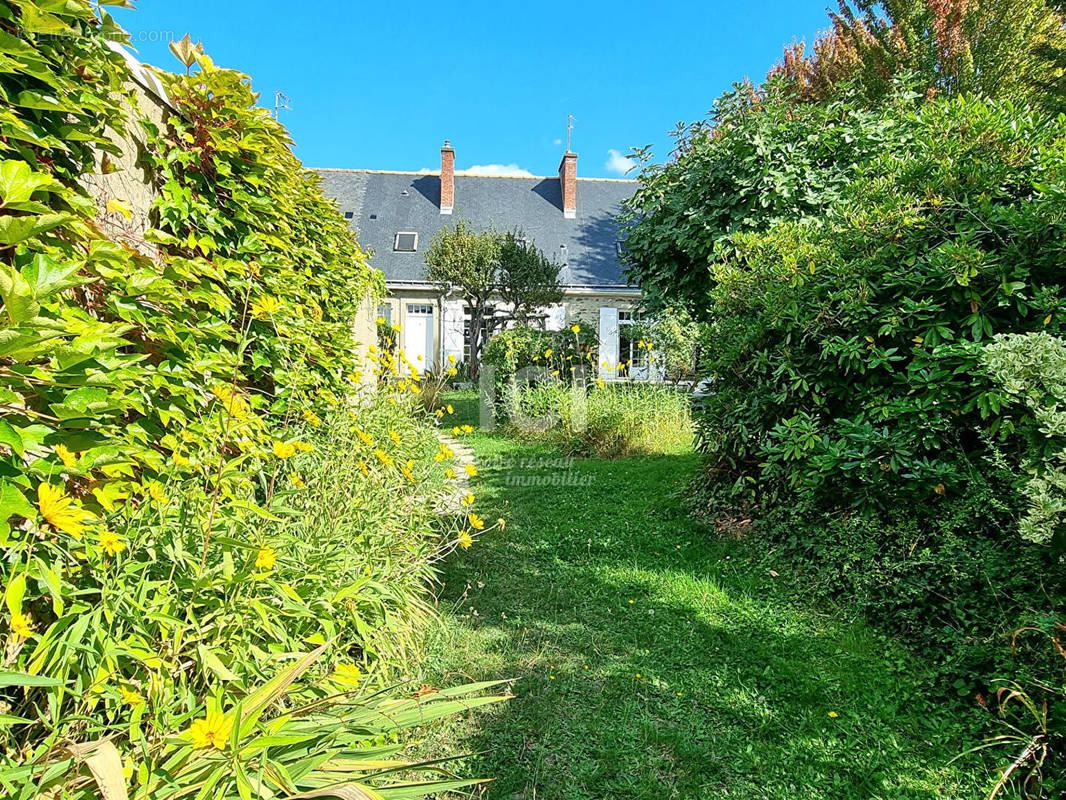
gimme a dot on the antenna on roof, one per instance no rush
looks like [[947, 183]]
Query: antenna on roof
[[281, 101], [569, 129]]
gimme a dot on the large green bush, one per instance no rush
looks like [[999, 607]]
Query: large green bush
[[847, 360], [215, 551], [855, 414]]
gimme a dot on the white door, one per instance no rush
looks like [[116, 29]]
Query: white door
[[418, 327]]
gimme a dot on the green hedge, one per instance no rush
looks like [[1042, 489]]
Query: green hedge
[[215, 551]]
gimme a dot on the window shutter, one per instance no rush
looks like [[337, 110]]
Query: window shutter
[[608, 342]]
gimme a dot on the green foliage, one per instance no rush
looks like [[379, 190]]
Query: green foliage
[[565, 354], [847, 358], [172, 541], [1006, 49], [678, 341], [466, 261], [606, 420], [1032, 370], [527, 279], [754, 162]]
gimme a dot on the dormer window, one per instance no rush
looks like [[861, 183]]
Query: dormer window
[[406, 242]]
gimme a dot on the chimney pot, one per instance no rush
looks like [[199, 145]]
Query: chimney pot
[[568, 184], [447, 178]]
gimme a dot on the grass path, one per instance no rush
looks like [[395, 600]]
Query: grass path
[[651, 662]]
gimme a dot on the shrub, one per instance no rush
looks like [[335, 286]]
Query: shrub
[[193, 495], [557, 354]]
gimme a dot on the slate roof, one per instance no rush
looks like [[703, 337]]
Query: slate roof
[[385, 203]]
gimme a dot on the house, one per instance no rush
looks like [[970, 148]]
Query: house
[[569, 218]]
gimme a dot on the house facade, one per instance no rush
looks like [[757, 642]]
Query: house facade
[[570, 219]]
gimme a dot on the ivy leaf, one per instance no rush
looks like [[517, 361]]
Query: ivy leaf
[[17, 296], [10, 437], [47, 276], [118, 207], [18, 183], [17, 229]]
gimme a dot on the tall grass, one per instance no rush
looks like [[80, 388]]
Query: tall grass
[[610, 419]]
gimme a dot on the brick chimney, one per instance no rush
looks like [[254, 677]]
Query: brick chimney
[[447, 178], [568, 184]]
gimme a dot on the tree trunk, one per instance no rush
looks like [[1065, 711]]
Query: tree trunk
[[477, 321]]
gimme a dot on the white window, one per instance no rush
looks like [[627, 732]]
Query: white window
[[630, 354], [420, 309], [406, 242]]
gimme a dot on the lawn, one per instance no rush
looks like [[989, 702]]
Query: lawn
[[652, 660]]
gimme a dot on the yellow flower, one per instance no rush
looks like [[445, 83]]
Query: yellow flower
[[465, 540], [61, 511], [475, 521], [456, 430], [439, 412], [449, 473], [66, 456], [939, 489], [395, 437], [181, 460], [471, 470], [284, 449], [468, 429], [21, 625], [302, 446], [451, 359], [449, 408], [111, 542], [502, 523], [833, 714], [379, 321], [365, 438], [408, 471], [212, 731], [235, 404], [130, 696], [364, 468], [548, 353], [468, 499], [298, 482], [266, 306], [266, 558], [155, 491], [311, 418], [347, 674], [383, 457], [452, 372]]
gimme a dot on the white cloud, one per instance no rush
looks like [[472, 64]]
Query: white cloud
[[618, 163], [508, 170], [557, 142]]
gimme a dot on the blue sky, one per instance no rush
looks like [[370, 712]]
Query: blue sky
[[380, 85]]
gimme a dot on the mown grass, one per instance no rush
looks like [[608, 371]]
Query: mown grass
[[653, 660]]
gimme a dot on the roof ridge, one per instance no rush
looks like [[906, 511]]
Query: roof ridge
[[461, 174]]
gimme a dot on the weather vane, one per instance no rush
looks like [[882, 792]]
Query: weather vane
[[569, 130]]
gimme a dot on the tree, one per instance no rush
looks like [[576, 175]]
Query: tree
[[466, 260], [757, 160], [528, 279], [998, 48]]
